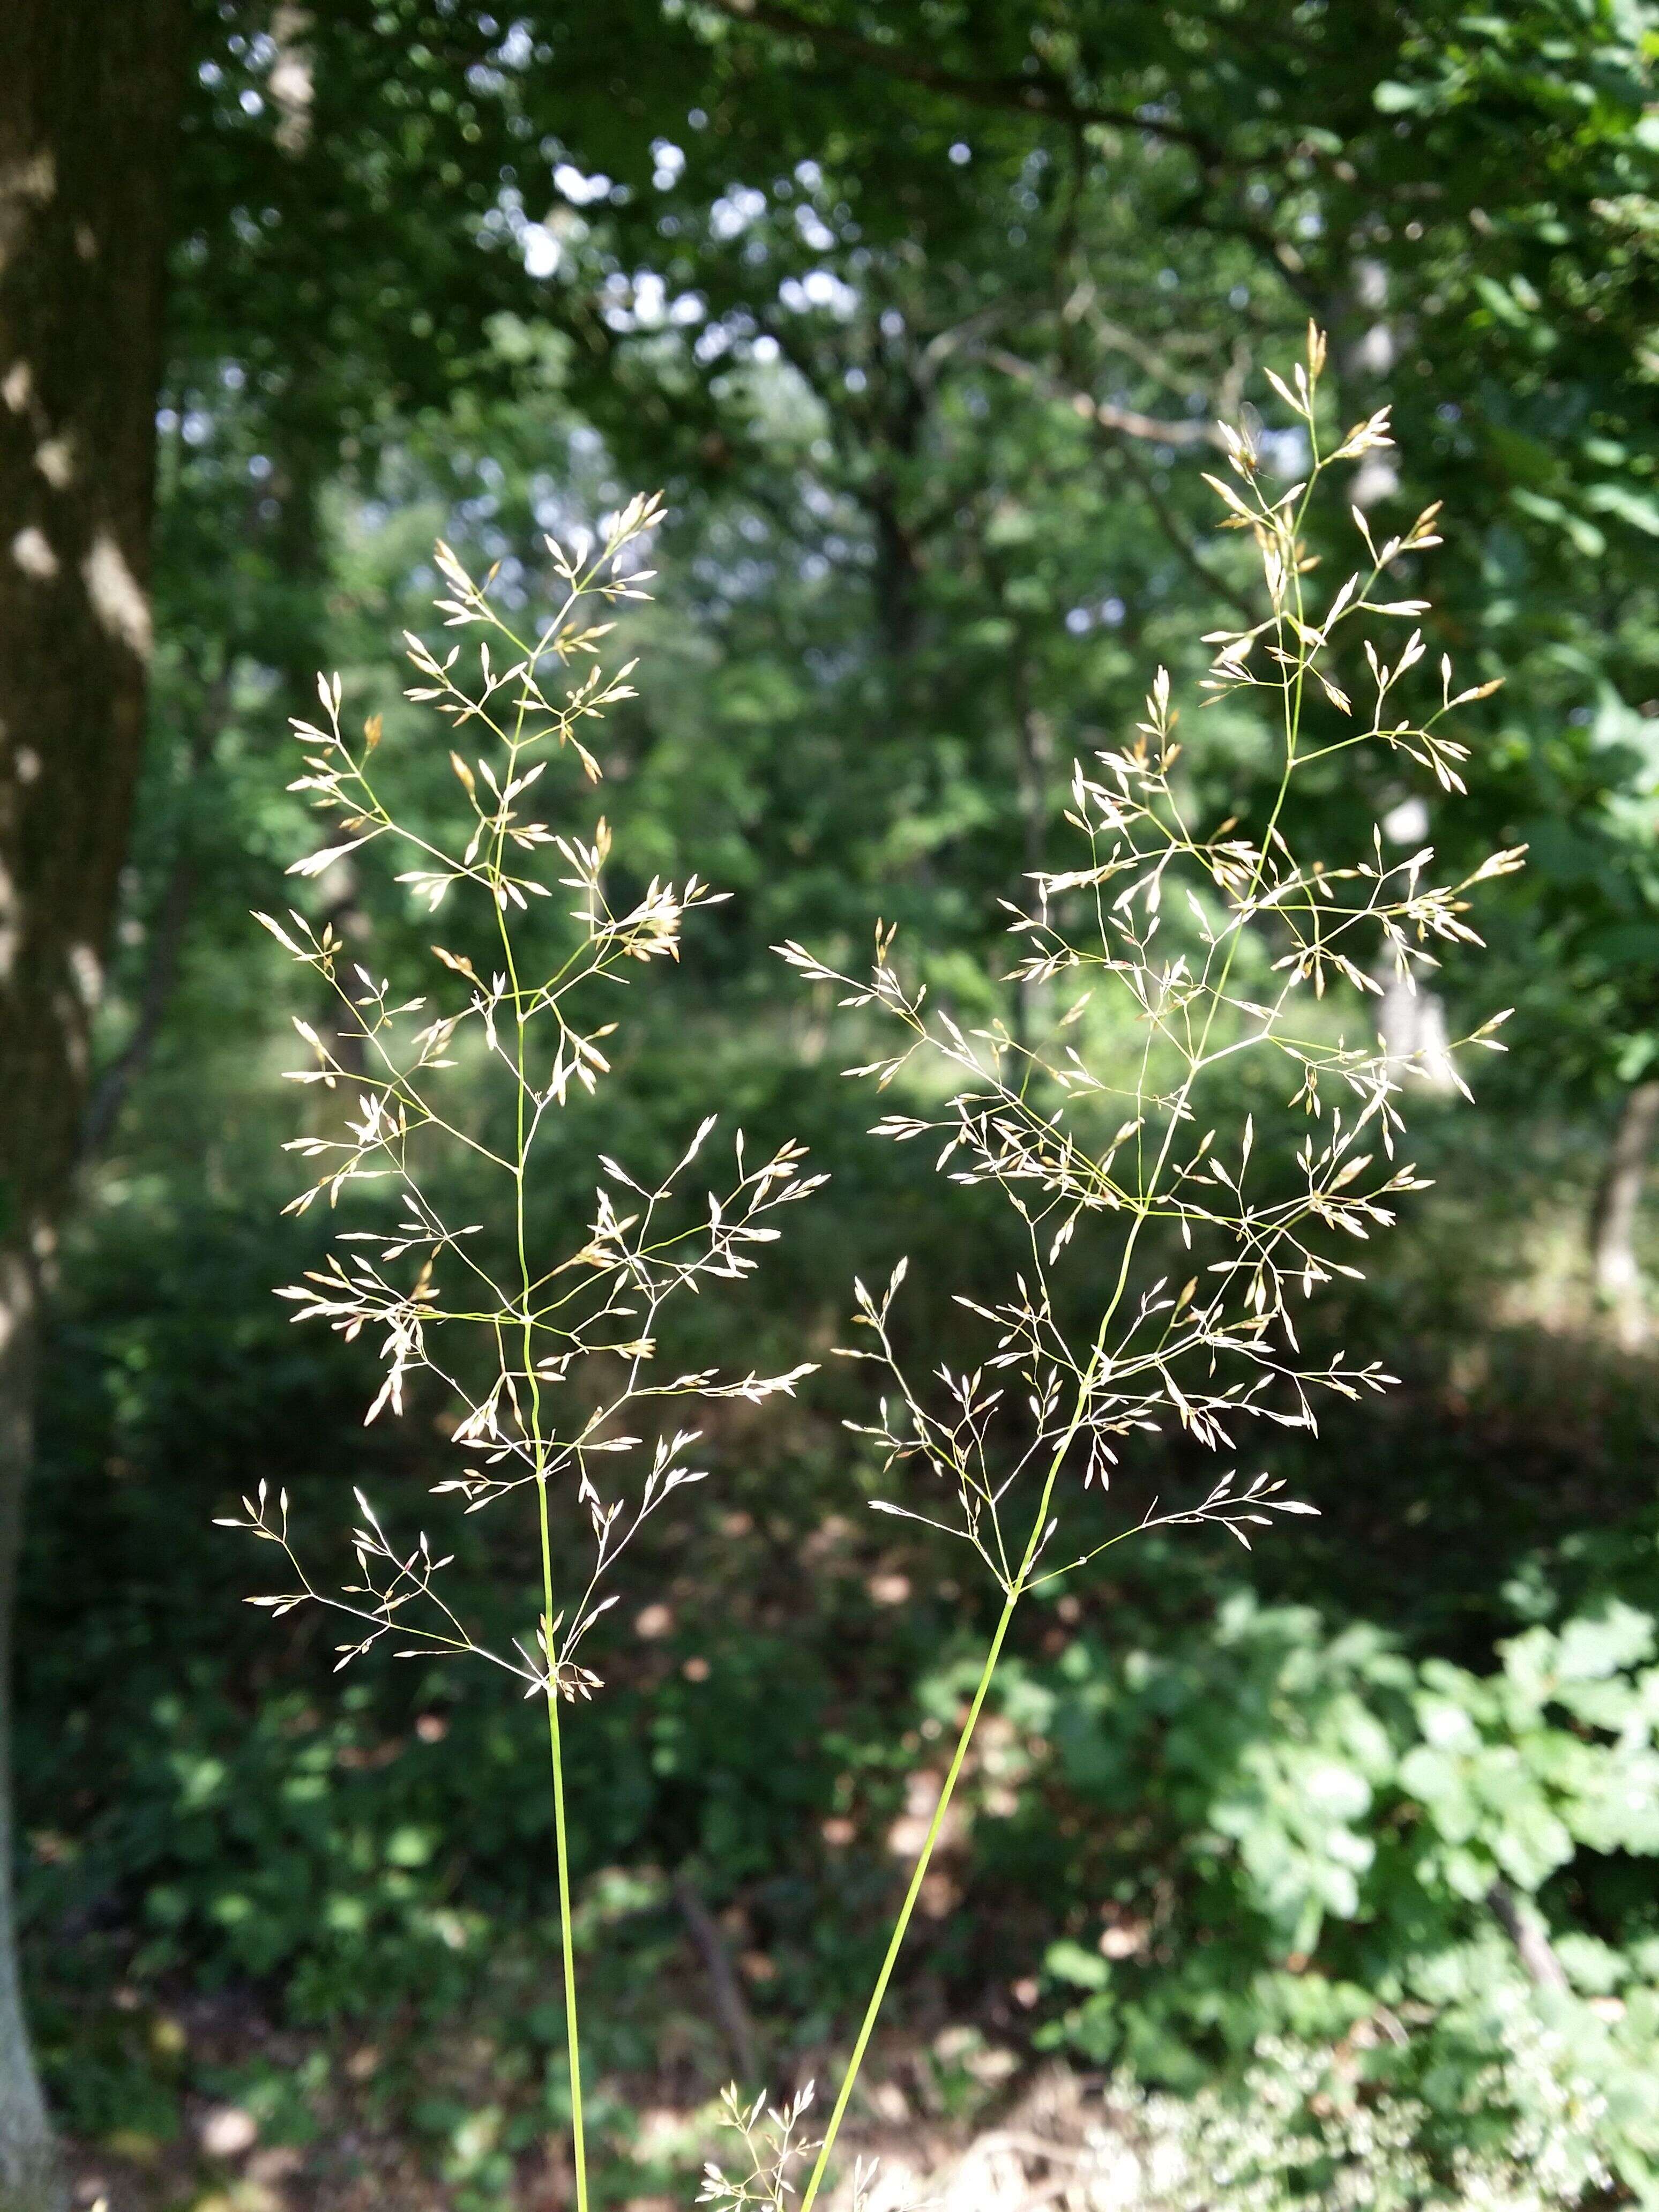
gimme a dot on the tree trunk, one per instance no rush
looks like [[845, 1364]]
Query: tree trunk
[[88, 105], [1034, 766], [30, 2177], [1366, 350], [168, 928], [1613, 1227]]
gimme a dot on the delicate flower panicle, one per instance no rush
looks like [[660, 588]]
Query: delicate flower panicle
[[1213, 941], [594, 1311]]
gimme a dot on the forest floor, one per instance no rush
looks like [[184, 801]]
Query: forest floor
[[1044, 2138]]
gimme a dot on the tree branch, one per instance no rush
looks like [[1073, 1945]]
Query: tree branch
[[1169, 523], [1123, 425], [724, 1991], [1530, 1936], [1044, 97], [1128, 421]]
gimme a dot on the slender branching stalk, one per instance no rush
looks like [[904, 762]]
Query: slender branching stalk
[[550, 1355], [1214, 947]]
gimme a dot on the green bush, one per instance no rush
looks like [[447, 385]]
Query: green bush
[[1337, 1847]]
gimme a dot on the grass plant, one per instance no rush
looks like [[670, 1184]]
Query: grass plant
[[551, 1355], [1223, 941], [1225, 946]]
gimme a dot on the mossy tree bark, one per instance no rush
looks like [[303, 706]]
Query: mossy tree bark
[[89, 95]]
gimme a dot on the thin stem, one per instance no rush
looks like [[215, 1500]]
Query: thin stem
[[897, 1941], [561, 1849], [578, 2145]]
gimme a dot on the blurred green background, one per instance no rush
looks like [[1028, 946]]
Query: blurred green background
[[917, 313]]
